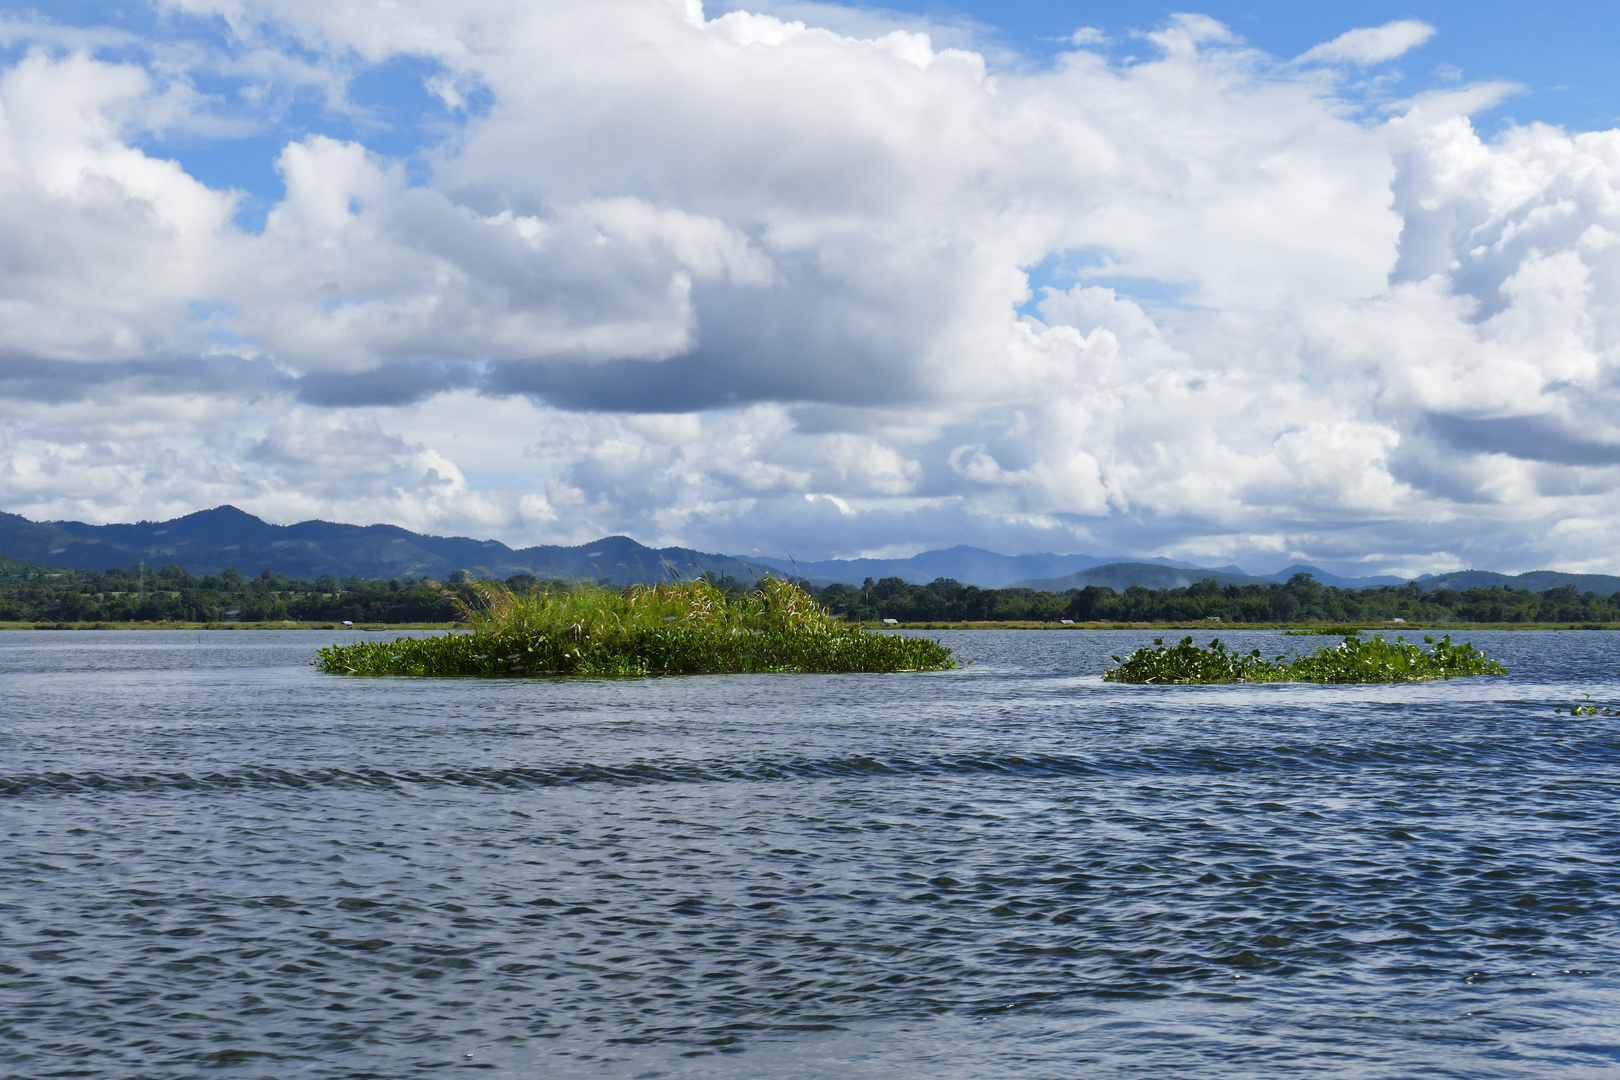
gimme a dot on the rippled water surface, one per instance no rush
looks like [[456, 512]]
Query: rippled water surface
[[215, 861]]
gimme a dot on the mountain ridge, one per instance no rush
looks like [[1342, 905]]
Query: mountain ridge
[[969, 565], [209, 541], [1124, 575], [1534, 580], [1121, 576]]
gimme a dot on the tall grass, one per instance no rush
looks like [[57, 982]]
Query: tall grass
[[1354, 661], [680, 628]]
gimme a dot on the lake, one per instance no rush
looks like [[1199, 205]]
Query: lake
[[216, 861]]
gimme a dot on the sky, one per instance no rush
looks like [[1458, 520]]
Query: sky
[[1252, 282]]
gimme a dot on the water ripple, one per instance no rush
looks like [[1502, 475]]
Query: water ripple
[[216, 861], [1146, 761]]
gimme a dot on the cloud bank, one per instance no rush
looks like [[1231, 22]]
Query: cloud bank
[[739, 282]]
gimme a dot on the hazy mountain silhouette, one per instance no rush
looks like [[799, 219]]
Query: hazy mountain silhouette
[[1534, 580], [1334, 579], [211, 540], [969, 565], [1122, 575]]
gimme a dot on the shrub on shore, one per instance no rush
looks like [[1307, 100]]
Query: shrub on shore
[[686, 628], [1377, 660]]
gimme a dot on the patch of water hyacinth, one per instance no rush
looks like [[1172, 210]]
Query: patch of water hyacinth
[[1589, 708], [1354, 661], [681, 628]]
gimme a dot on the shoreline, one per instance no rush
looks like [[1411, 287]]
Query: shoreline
[[283, 625], [1364, 627], [1007, 625]]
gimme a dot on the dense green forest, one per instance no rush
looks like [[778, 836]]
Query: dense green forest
[[37, 594], [31, 593], [1301, 599]]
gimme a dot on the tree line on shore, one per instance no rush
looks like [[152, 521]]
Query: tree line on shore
[[140, 594], [31, 593], [1301, 599]]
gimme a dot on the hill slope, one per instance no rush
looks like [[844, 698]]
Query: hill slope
[[969, 565], [1534, 580], [1123, 575], [1335, 580], [211, 540]]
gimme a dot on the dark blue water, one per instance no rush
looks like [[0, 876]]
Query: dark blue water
[[214, 861]]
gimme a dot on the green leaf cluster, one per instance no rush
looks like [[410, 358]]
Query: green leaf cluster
[[1376, 660]]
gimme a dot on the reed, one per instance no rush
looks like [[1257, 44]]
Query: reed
[[681, 628], [1377, 660]]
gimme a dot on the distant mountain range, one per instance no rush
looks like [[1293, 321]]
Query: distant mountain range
[[211, 540], [1534, 580], [1054, 573], [969, 565], [1121, 576]]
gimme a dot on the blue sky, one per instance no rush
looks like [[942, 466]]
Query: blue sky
[[822, 280], [385, 103], [1561, 51]]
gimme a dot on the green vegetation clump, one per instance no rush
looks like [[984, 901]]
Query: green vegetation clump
[[687, 628], [1323, 631], [1187, 663], [1354, 661]]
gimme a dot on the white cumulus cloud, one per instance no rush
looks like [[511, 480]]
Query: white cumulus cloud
[[816, 282]]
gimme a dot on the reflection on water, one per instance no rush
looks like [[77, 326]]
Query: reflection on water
[[215, 859]]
